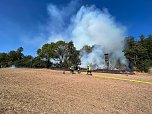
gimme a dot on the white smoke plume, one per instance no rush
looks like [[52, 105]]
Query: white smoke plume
[[88, 25]]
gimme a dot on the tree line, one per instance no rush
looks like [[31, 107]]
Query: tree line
[[60, 54], [63, 54], [139, 53]]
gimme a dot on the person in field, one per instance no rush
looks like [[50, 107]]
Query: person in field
[[78, 70], [89, 70], [72, 69]]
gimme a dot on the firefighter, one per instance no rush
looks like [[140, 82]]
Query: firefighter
[[78, 70], [63, 69], [88, 70], [72, 69]]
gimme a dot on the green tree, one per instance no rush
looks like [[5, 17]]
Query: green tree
[[26, 61], [129, 51], [148, 46], [19, 53], [142, 57], [47, 52], [4, 60], [12, 55], [142, 38], [139, 53], [72, 57], [61, 52], [37, 62], [86, 48]]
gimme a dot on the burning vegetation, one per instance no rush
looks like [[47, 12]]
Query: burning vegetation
[[63, 55]]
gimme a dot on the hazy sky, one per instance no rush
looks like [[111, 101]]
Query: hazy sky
[[23, 22]]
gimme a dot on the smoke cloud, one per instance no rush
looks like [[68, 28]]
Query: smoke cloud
[[88, 25]]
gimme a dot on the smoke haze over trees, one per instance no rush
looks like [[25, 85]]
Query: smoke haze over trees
[[88, 25], [63, 54]]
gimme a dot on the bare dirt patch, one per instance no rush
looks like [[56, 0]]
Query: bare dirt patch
[[43, 91]]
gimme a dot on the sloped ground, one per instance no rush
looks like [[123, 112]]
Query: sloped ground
[[42, 91]]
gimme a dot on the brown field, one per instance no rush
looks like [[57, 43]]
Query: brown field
[[43, 91]]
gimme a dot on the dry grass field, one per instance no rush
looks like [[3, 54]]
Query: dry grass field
[[43, 91]]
